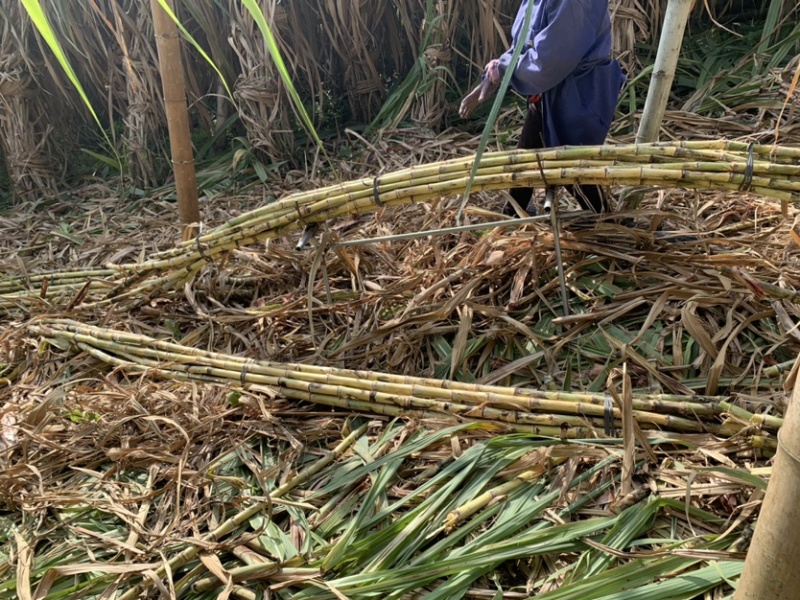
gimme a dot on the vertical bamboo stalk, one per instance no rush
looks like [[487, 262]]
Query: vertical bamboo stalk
[[669, 48], [180, 141], [770, 570]]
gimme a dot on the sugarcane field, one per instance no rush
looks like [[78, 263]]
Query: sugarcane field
[[399, 299]]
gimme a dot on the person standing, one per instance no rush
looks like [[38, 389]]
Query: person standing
[[571, 82]]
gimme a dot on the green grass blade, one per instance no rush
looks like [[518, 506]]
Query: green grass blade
[[272, 47], [197, 47], [686, 586], [770, 25], [496, 106], [39, 19]]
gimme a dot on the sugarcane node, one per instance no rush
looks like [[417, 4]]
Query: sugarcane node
[[243, 374]]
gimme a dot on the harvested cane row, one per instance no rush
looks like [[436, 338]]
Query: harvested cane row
[[540, 412], [365, 529], [772, 171]]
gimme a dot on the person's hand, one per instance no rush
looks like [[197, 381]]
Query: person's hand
[[493, 71], [482, 92]]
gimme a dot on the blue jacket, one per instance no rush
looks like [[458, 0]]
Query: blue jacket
[[568, 61]]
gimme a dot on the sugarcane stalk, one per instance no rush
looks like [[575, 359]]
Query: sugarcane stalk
[[692, 165], [766, 421], [779, 369], [321, 393], [370, 382], [764, 442], [469, 393], [54, 279], [148, 355]]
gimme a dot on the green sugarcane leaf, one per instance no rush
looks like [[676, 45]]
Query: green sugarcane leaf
[[196, 45], [737, 475], [274, 51], [686, 585], [39, 20], [273, 539], [496, 105], [110, 161]]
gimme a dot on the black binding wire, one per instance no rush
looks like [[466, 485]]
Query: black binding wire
[[203, 255], [376, 196], [747, 180], [608, 416], [243, 374], [539, 163]]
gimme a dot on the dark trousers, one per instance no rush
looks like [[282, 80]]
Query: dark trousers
[[590, 197]]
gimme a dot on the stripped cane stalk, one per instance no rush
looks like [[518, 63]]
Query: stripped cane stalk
[[165, 359], [55, 278], [475, 394], [770, 171], [397, 405], [355, 405], [468, 393], [765, 421]]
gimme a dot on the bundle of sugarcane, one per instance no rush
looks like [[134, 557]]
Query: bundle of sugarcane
[[550, 413], [21, 290], [771, 171]]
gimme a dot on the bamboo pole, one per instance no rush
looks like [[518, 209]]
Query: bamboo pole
[[770, 570], [669, 48], [629, 444], [180, 141]]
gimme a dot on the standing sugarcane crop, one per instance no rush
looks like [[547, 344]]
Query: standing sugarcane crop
[[569, 78]]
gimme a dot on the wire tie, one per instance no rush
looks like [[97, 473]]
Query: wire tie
[[608, 416], [788, 452], [203, 255], [376, 196], [747, 181], [243, 374]]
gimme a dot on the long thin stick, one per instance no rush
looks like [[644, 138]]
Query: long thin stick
[[448, 230], [557, 244]]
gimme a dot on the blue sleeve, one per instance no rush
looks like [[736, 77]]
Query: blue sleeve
[[556, 50]]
